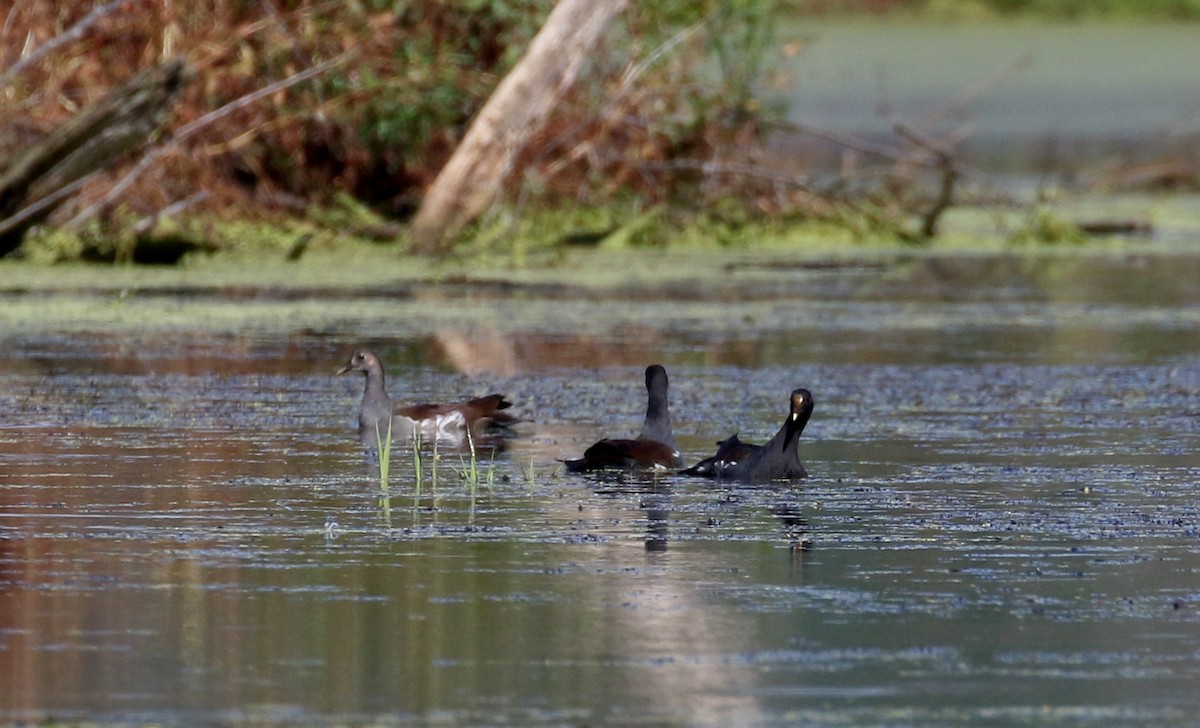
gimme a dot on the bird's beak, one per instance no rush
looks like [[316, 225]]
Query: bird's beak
[[343, 370], [795, 415]]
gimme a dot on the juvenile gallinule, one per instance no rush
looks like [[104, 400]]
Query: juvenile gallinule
[[447, 422], [779, 459], [654, 448]]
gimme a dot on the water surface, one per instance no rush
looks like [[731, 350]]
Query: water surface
[[1049, 101], [1000, 528]]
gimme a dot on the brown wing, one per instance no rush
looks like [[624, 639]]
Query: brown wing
[[488, 410], [624, 454], [418, 412], [473, 410], [488, 405]]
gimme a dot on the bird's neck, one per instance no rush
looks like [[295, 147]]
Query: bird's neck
[[658, 421], [374, 388], [794, 428]]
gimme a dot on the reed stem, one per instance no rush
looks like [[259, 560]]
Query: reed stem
[[418, 473], [383, 449]]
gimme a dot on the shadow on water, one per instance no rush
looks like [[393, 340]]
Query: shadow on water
[[1000, 524]]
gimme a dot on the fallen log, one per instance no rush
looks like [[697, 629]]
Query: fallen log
[[519, 107], [44, 176], [1117, 227]]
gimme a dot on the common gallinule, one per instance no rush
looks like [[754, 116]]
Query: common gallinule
[[779, 459], [654, 448], [729, 450], [447, 422]]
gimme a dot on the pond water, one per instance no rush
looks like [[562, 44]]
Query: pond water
[[1001, 524], [1042, 102]]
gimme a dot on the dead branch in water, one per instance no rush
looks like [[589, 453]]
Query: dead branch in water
[[87, 142], [191, 128], [518, 108], [944, 157]]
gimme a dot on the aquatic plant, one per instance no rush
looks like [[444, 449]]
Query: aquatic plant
[[472, 465], [331, 528], [433, 470], [530, 475], [1044, 227], [418, 474], [490, 482], [384, 451]]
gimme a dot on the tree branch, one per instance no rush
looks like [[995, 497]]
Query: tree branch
[[187, 130], [72, 34]]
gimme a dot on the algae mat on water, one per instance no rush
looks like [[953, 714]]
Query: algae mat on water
[[253, 294]]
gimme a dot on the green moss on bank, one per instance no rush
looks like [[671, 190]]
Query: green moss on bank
[[350, 238]]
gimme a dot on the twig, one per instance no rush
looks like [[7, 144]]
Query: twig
[[945, 156], [710, 168], [975, 90], [196, 125], [146, 224], [881, 150], [12, 13], [568, 135], [297, 51], [9, 224], [72, 34], [640, 67], [115, 191]]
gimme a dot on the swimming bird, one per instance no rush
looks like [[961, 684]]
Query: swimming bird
[[653, 448], [779, 459], [729, 450], [446, 422]]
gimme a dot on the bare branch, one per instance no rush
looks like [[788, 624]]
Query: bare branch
[[72, 34], [93, 139], [927, 158], [976, 90], [298, 51], [196, 125], [146, 224], [731, 168], [14, 222], [518, 109], [241, 102], [665, 47], [949, 175]]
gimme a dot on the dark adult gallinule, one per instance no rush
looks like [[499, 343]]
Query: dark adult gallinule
[[447, 422], [654, 448], [779, 459], [729, 450]]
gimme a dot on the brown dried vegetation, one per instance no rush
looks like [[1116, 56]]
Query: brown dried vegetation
[[377, 125], [293, 103]]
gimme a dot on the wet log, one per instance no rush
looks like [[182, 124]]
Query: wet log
[[45, 175], [517, 110], [1117, 227]]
